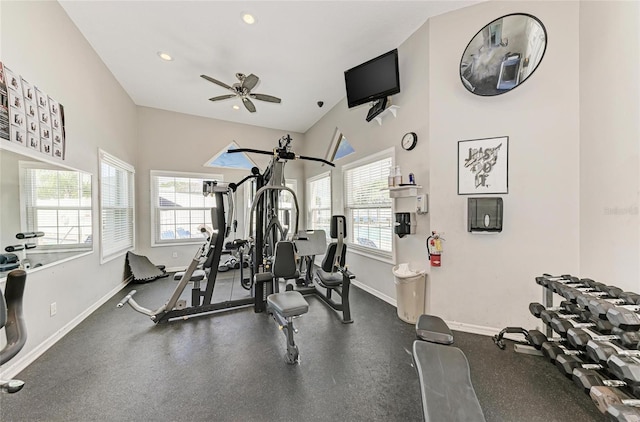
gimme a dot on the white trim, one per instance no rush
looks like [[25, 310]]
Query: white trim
[[104, 156], [472, 328], [457, 326], [374, 292], [17, 366], [372, 157]]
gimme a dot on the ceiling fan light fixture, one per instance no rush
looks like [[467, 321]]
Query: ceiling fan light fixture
[[248, 18], [165, 56]]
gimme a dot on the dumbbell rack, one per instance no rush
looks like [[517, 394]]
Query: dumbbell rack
[[610, 310]]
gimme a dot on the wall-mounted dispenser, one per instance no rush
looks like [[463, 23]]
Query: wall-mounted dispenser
[[405, 223], [422, 206], [484, 215]]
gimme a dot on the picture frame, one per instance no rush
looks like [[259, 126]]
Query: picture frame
[[483, 166]]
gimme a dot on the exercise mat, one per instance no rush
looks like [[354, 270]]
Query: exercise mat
[[142, 269]]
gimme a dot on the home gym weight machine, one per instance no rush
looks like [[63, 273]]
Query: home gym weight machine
[[210, 252], [333, 276]]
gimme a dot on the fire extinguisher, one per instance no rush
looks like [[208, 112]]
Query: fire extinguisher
[[434, 248]]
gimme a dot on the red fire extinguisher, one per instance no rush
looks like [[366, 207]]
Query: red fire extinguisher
[[434, 248]]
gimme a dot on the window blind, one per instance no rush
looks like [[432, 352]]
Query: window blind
[[58, 203], [179, 207], [319, 202], [116, 206], [368, 205]]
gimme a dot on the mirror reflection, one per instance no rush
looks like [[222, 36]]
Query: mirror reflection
[[503, 54], [46, 212]]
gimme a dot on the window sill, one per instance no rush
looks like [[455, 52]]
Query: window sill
[[386, 257], [182, 243]]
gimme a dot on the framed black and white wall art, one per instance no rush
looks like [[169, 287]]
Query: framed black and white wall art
[[483, 166]]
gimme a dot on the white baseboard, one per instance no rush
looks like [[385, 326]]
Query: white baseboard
[[374, 292], [174, 269], [473, 329], [458, 326], [10, 371]]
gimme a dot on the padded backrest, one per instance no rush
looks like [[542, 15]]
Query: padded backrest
[[284, 260], [338, 226], [329, 257]]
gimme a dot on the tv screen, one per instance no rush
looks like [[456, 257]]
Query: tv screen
[[375, 79]]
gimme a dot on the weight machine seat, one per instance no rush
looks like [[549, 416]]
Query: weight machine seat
[[445, 384], [288, 304], [325, 272], [433, 329]]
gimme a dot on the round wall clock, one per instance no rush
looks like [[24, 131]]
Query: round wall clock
[[409, 141]]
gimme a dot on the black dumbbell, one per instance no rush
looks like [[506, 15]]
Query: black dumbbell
[[586, 378], [624, 317], [603, 397], [622, 413], [563, 326], [578, 337], [601, 351], [552, 349]]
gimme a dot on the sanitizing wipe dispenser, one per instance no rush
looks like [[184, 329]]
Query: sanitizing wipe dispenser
[[410, 292], [405, 223], [484, 215]]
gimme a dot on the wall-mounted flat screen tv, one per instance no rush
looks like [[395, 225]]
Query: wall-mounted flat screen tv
[[375, 79]]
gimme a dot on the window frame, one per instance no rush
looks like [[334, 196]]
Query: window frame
[[106, 254], [374, 253], [154, 209], [27, 165], [309, 205]]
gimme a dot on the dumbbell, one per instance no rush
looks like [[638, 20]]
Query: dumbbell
[[603, 397], [552, 349], [624, 317], [578, 337], [566, 363], [622, 413], [625, 368], [601, 351], [562, 326]]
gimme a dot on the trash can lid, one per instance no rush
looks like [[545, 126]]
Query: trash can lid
[[403, 271]]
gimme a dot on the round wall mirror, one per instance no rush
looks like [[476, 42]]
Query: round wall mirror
[[503, 54]]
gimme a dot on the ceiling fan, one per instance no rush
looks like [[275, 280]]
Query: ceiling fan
[[242, 89]]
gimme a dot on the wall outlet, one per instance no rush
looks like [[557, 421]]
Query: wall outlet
[[174, 255], [53, 309]]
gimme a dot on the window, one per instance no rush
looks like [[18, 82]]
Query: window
[[367, 204], [57, 202], [179, 208], [286, 207], [116, 207], [319, 202]]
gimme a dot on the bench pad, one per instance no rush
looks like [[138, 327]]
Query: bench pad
[[445, 384], [198, 275], [433, 329], [288, 304]]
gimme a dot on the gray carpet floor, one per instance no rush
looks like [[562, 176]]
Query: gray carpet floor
[[119, 366]]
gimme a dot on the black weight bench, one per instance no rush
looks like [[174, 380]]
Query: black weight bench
[[445, 384], [433, 329], [286, 305]]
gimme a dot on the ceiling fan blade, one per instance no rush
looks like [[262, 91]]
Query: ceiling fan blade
[[222, 97], [250, 81], [263, 97], [248, 104], [217, 82]]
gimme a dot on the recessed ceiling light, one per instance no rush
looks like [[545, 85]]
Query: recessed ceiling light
[[165, 56], [248, 18], [235, 107]]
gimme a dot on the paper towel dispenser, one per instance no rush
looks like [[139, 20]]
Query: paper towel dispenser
[[484, 214]]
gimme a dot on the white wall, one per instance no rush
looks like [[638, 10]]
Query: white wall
[[41, 43], [488, 280], [610, 143], [368, 138], [183, 143]]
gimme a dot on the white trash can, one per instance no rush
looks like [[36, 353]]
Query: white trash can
[[410, 292]]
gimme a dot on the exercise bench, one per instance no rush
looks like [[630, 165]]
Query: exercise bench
[[286, 305], [445, 384], [433, 329]]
